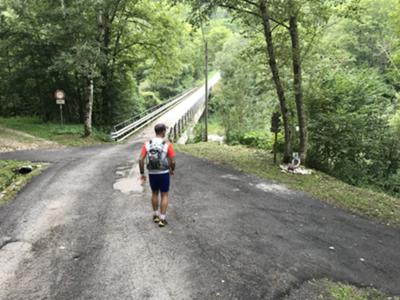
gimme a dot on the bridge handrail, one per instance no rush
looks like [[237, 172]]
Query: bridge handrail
[[128, 127], [123, 128]]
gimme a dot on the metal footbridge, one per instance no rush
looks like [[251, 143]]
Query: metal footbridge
[[176, 113]]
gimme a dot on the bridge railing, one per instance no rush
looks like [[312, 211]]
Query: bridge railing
[[128, 127], [176, 131]]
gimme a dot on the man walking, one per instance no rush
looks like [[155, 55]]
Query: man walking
[[160, 159]]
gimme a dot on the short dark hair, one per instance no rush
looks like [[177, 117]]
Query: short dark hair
[[160, 128]]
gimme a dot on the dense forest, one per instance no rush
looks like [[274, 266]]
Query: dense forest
[[129, 54], [331, 69]]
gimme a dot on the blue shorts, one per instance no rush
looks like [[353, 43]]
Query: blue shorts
[[159, 182]]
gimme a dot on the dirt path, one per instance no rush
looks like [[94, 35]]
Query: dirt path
[[14, 140]]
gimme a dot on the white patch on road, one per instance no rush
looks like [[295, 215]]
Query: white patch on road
[[273, 187], [130, 182], [230, 176], [9, 260]]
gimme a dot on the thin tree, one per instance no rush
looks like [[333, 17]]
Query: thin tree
[[297, 80], [205, 41], [265, 16], [260, 9]]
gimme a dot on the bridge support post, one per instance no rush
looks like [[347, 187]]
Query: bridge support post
[[175, 133]]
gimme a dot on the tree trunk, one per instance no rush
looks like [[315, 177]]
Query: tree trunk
[[104, 40], [276, 78], [297, 82], [89, 109], [206, 89], [81, 99]]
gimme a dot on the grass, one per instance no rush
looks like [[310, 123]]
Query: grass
[[341, 291], [377, 206], [5, 134], [325, 289], [11, 182], [68, 135]]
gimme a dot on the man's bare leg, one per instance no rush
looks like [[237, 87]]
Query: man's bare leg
[[155, 203], [164, 205]]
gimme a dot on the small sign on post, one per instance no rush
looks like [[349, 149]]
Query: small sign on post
[[60, 100]]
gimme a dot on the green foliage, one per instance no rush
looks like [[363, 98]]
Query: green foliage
[[341, 291], [352, 94], [257, 139], [350, 52], [198, 133], [11, 181], [243, 102], [69, 134], [326, 289], [120, 44], [349, 125], [217, 36]]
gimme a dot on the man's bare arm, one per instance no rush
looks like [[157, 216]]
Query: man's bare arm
[[172, 165], [141, 164]]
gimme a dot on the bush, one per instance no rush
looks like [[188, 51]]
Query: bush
[[257, 139], [349, 129]]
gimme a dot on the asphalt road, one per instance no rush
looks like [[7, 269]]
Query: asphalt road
[[83, 230]]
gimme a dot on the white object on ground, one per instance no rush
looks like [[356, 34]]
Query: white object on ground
[[299, 170], [216, 138]]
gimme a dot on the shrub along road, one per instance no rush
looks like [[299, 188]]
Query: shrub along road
[[83, 230]]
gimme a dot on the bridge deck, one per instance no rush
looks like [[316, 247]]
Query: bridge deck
[[173, 115]]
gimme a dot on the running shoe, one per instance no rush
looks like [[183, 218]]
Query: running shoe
[[162, 223], [156, 219]]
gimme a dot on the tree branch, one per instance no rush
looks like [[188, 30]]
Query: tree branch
[[232, 7], [242, 10], [144, 44], [251, 3], [279, 23]]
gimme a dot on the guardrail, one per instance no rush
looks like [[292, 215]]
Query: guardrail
[[126, 128], [176, 131]]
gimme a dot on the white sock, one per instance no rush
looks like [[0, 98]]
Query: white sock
[[156, 213], [162, 217]]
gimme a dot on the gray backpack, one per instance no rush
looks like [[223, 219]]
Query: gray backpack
[[156, 156]]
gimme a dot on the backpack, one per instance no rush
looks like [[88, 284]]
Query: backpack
[[156, 156]]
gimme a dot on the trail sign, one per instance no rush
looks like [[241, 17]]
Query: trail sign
[[59, 95], [60, 100]]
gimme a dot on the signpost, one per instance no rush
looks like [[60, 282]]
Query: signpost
[[275, 128], [60, 100]]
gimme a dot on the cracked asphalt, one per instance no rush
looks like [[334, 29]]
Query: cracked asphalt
[[70, 235]]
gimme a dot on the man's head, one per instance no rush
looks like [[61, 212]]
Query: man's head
[[160, 130]]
